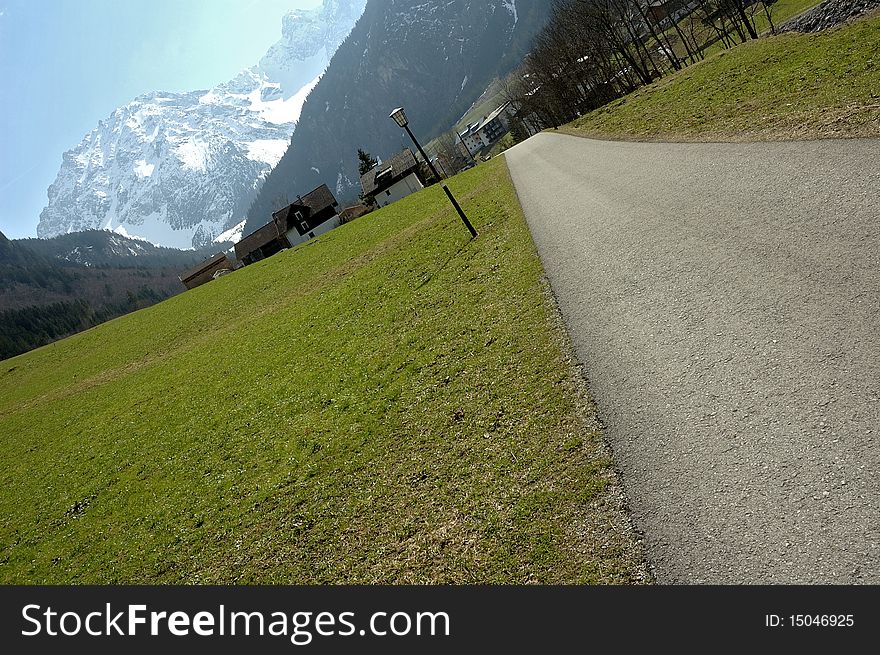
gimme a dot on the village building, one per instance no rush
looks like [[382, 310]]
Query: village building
[[311, 215], [350, 213], [666, 13], [486, 132], [392, 180], [206, 271], [260, 244]]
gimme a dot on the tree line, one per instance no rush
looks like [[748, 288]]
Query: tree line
[[34, 326], [31, 281], [594, 51]]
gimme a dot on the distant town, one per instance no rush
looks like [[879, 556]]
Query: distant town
[[382, 183]]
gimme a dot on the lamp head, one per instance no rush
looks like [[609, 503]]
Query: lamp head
[[399, 117]]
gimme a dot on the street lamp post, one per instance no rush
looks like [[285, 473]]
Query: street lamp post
[[399, 116]]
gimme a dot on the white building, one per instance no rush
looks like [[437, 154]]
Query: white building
[[311, 215], [392, 180], [484, 133], [300, 229]]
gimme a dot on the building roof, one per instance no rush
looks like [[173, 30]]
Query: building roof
[[383, 175], [473, 128], [198, 268], [313, 202], [313, 206], [495, 113], [320, 198], [355, 211], [256, 239]]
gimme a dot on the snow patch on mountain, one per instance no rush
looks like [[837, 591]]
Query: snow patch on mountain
[[232, 235], [193, 154], [269, 151], [143, 169], [510, 5], [122, 232], [180, 169], [114, 246]]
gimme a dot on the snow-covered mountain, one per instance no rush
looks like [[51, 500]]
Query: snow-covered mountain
[[180, 169]]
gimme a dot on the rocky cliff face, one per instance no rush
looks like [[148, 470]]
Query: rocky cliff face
[[829, 14], [180, 169], [434, 57]]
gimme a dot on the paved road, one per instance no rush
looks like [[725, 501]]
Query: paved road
[[724, 300]]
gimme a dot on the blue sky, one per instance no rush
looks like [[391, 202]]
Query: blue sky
[[66, 64]]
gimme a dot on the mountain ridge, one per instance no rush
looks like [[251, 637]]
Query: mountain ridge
[[434, 57], [179, 169], [51, 288]]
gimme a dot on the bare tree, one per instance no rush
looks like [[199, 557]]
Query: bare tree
[[453, 158], [767, 6], [593, 51]]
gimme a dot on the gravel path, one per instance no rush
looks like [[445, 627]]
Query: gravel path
[[725, 302]]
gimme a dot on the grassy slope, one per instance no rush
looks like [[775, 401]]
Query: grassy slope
[[388, 403], [821, 85], [484, 105], [781, 11]]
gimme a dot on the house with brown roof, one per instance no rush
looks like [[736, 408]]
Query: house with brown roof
[[206, 271], [260, 244], [392, 180], [311, 215], [350, 213], [665, 13]]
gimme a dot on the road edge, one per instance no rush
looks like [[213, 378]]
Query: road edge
[[620, 513]]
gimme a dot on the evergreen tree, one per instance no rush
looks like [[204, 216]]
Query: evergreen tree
[[365, 162], [518, 130]]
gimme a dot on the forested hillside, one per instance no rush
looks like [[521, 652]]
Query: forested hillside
[[102, 248], [50, 288]]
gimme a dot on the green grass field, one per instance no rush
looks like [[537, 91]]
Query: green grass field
[[791, 86], [387, 403], [781, 11]]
